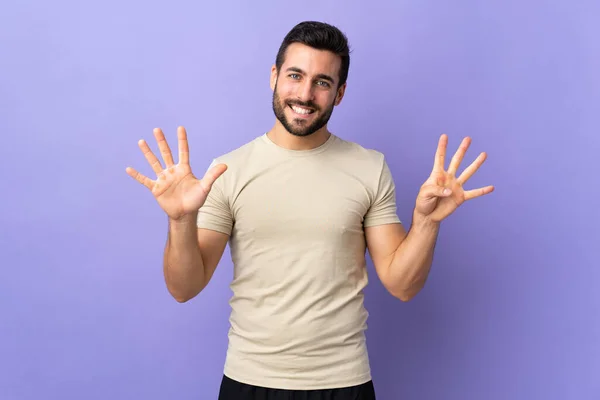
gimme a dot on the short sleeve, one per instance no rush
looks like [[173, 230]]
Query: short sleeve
[[216, 214], [383, 208]]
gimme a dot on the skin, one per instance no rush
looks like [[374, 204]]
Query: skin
[[403, 260], [307, 78]]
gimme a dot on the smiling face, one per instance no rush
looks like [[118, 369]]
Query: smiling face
[[305, 90]]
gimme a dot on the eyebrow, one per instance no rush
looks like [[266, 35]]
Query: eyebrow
[[319, 76]]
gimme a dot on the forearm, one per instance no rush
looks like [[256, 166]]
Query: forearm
[[183, 265], [412, 260]]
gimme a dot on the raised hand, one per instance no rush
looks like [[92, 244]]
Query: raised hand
[[442, 193], [178, 192]]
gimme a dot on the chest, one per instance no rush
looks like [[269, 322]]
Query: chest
[[308, 205]]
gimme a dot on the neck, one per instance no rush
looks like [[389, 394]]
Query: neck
[[281, 137]]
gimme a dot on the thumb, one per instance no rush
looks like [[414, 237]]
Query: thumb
[[211, 176], [432, 191]]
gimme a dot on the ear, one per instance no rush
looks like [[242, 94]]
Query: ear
[[273, 77], [340, 94]]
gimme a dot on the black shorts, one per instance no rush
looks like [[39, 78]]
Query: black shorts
[[233, 390]]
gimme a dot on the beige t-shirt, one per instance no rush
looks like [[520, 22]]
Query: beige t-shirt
[[297, 243]]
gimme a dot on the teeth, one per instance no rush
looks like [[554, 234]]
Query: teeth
[[301, 110]]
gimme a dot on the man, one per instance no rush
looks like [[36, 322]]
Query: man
[[300, 206]]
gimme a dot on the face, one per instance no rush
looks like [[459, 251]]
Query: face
[[305, 90]]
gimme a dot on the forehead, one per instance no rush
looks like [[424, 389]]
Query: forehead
[[311, 61]]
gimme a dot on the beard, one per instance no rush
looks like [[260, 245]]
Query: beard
[[299, 126]]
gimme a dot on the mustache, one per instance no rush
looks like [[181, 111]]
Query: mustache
[[308, 104]]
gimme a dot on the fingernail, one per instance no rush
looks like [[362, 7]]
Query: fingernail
[[447, 191]]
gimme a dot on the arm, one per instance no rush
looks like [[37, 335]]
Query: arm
[[402, 260], [196, 244], [191, 257], [200, 221]]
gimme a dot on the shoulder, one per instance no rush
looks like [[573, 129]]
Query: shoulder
[[240, 155], [241, 162], [357, 153]]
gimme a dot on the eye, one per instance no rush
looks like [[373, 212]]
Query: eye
[[323, 83], [294, 76]]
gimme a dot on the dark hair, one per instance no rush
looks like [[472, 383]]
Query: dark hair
[[321, 36]]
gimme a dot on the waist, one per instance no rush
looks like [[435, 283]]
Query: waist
[[306, 346], [301, 364]]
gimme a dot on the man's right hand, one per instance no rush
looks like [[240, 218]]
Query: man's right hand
[[178, 192]]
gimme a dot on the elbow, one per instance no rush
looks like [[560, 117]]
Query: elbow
[[407, 289], [182, 296], [183, 293], [182, 299], [405, 294]]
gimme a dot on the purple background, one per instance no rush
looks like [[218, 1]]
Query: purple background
[[512, 307]]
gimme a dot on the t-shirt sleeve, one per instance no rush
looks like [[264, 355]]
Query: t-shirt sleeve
[[216, 214], [383, 209]]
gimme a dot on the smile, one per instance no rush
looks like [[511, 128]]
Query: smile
[[301, 110]]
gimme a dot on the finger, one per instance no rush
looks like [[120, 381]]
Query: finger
[[473, 193], [458, 156], [440, 154], [184, 150], [212, 175], [471, 169], [164, 148], [431, 191], [144, 180], [152, 160]]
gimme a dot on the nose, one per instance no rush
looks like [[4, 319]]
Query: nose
[[305, 91]]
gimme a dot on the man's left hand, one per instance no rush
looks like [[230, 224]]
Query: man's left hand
[[442, 193]]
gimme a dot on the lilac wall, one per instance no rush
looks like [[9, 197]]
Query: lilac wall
[[512, 308]]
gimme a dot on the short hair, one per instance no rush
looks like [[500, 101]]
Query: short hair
[[321, 36]]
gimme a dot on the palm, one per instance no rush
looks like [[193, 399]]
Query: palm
[[436, 207], [176, 189]]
